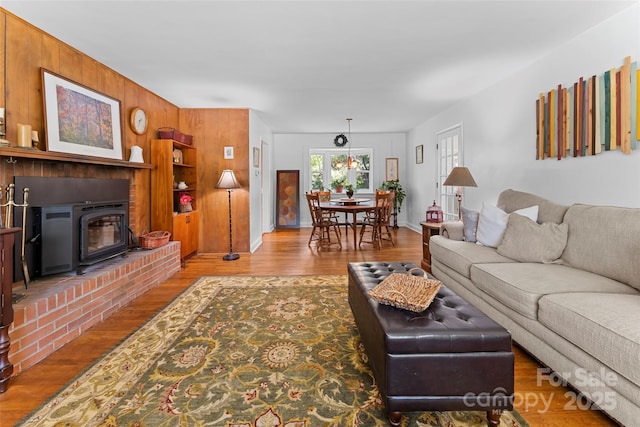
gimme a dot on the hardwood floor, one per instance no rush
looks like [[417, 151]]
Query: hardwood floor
[[284, 252]]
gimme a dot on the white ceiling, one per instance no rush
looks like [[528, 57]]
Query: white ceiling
[[305, 66]]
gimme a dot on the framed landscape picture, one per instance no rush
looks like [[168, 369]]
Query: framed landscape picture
[[79, 120]]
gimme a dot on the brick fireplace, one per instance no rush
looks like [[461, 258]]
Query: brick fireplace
[[71, 223], [56, 309]]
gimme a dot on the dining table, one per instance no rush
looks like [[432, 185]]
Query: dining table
[[350, 206]]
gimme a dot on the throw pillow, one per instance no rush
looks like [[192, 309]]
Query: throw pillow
[[493, 223], [527, 241], [470, 222]]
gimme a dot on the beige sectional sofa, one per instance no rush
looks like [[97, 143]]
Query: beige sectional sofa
[[580, 314]]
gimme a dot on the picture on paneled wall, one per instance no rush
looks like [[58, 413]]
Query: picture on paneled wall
[[595, 114], [288, 202], [79, 120]]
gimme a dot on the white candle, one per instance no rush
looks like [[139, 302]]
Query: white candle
[[24, 135]]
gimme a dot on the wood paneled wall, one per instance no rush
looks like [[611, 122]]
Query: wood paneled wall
[[214, 129], [25, 50]]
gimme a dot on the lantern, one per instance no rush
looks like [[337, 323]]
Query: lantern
[[434, 213]]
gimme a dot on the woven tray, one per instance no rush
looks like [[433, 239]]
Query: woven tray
[[406, 291], [155, 239]]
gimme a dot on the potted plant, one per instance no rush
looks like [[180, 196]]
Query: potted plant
[[338, 183], [400, 194], [349, 189]]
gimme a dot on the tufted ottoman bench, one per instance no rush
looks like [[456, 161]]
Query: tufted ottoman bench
[[449, 357]]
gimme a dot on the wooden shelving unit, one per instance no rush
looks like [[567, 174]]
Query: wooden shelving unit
[[165, 206]]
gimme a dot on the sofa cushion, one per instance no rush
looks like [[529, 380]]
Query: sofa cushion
[[493, 223], [511, 200], [603, 325], [527, 241], [460, 255], [604, 240], [519, 286]]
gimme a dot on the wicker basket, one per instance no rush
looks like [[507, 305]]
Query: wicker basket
[[175, 134], [154, 239], [406, 291]]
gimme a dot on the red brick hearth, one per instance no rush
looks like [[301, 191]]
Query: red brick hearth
[[57, 309]]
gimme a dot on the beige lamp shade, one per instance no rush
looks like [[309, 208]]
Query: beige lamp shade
[[460, 177], [227, 180]]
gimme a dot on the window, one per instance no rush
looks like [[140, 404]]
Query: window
[[329, 165], [450, 155]]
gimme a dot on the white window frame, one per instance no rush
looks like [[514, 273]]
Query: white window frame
[[351, 173], [449, 144]]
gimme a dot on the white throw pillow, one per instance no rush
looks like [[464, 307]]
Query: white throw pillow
[[493, 223]]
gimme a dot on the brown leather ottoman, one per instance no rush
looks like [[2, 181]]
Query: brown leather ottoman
[[450, 357]]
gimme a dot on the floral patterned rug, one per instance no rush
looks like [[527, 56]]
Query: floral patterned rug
[[240, 351]]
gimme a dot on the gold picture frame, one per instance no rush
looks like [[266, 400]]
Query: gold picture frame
[[391, 169]]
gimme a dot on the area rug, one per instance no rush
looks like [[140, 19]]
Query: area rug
[[239, 351]]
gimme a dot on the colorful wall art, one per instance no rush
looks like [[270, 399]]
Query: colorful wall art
[[595, 114], [287, 203]]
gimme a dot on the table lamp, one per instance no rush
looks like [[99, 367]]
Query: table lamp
[[460, 177], [228, 182]]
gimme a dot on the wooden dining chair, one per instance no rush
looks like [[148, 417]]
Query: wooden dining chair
[[324, 196], [376, 226], [323, 223]]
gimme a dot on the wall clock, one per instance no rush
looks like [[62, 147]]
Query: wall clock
[[139, 121], [340, 140]]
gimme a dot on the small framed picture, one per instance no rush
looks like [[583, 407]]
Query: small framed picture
[[391, 169], [419, 154], [256, 157], [228, 153]]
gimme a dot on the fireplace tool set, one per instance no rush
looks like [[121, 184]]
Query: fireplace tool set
[[8, 223]]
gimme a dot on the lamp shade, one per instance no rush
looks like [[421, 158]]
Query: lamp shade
[[227, 180], [460, 177]]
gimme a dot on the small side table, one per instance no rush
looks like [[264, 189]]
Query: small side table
[[428, 229]]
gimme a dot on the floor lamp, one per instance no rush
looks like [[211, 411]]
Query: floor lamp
[[228, 182], [460, 177]]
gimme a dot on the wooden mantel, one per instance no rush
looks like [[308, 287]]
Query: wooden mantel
[[27, 153]]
